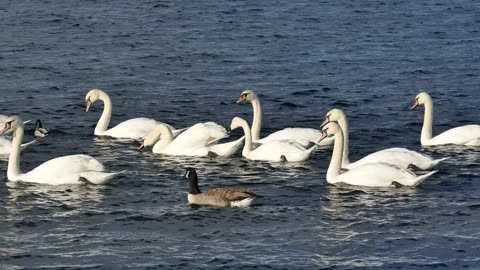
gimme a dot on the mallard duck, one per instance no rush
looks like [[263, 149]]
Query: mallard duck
[[40, 131]]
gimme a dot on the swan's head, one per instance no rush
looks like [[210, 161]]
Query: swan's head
[[333, 115], [236, 123], [92, 96], [330, 129], [247, 95], [12, 123], [421, 99], [151, 138]]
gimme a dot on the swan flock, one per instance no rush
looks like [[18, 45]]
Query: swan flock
[[385, 168]]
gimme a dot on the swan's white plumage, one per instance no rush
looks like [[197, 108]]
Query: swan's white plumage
[[401, 157], [67, 170], [397, 156], [6, 146], [303, 136], [372, 174], [71, 169], [464, 135], [198, 140], [380, 175], [273, 150], [135, 128]]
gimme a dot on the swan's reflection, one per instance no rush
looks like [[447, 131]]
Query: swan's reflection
[[70, 198]]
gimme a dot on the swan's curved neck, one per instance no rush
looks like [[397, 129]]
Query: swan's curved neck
[[343, 123], [336, 161], [165, 139], [247, 148], [104, 120], [427, 122], [14, 160], [257, 119]]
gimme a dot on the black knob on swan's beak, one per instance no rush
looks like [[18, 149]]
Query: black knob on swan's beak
[[229, 130]]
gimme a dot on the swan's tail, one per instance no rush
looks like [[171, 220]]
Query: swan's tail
[[436, 161], [99, 178], [307, 153], [422, 178], [227, 149], [25, 145], [177, 132]]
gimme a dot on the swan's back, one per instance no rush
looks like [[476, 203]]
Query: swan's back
[[304, 136], [275, 149], [135, 128], [459, 135], [62, 168], [197, 136], [5, 146], [376, 175], [399, 156]]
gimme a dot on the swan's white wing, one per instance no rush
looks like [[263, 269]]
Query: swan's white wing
[[458, 135], [272, 151], [62, 170], [227, 149], [5, 146], [198, 136], [378, 175], [398, 156], [135, 128], [303, 136]]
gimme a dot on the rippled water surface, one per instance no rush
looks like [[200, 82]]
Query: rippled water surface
[[183, 62]]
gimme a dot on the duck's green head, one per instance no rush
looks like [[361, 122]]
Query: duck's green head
[[38, 124]]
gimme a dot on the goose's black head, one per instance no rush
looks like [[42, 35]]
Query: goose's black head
[[191, 175]]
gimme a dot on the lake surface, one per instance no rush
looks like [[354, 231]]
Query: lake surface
[[184, 62]]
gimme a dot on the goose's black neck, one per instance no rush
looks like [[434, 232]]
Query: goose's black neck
[[191, 174]]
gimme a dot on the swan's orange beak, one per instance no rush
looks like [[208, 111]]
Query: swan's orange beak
[[7, 127], [89, 104], [242, 98], [140, 149], [325, 121], [414, 105], [324, 135]]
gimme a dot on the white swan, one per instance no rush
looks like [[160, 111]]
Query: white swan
[[303, 136], [5, 144], [397, 156], [74, 169], [464, 135], [370, 175], [282, 150], [199, 140], [135, 128]]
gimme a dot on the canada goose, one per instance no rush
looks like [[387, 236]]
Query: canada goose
[[222, 197], [40, 131]]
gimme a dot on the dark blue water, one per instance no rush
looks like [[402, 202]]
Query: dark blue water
[[183, 62]]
